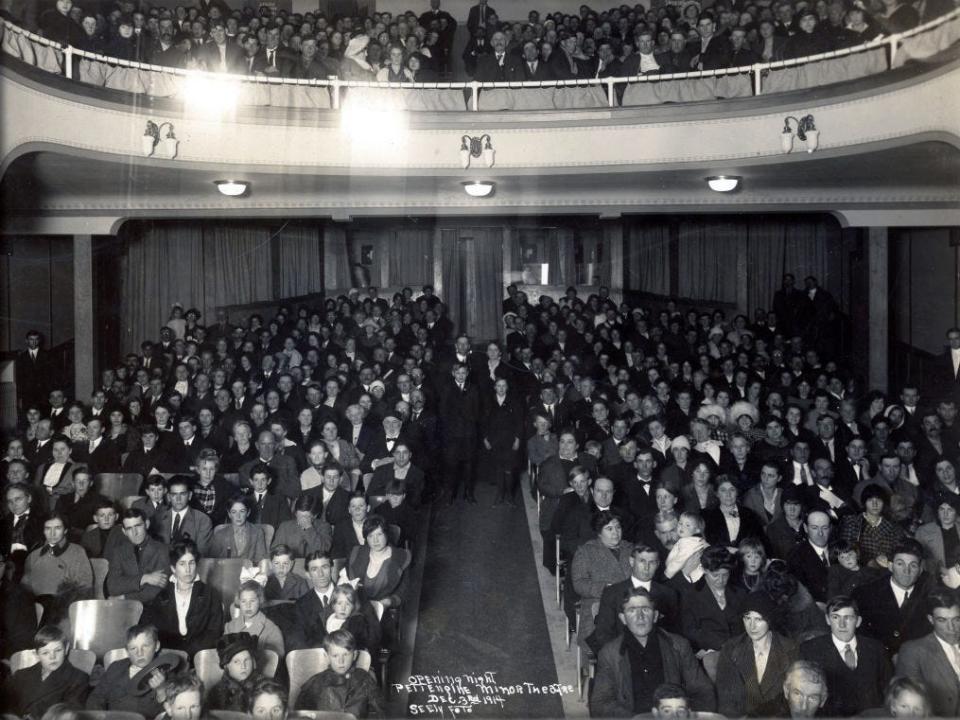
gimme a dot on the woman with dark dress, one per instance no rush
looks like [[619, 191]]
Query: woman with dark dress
[[188, 615]]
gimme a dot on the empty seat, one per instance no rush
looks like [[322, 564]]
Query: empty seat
[[207, 665], [303, 665], [80, 659], [101, 625], [233, 479], [101, 566], [118, 485], [127, 502], [223, 575]]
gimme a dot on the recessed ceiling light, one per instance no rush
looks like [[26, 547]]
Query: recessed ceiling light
[[478, 188], [723, 183], [231, 188]]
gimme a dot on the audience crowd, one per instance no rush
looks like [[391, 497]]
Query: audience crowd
[[667, 37], [742, 526]]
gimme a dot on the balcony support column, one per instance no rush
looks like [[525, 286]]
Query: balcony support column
[[878, 311], [83, 315]]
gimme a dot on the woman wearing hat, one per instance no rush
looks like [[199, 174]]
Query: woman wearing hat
[[786, 529], [753, 666], [237, 653], [873, 533], [941, 538]]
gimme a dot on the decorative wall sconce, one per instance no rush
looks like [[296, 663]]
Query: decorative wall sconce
[[165, 146], [806, 132], [474, 147]]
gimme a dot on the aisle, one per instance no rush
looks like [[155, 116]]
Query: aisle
[[481, 611]]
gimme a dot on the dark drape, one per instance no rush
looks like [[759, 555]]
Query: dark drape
[[647, 258], [199, 265], [708, 259], [410, 256], [485, 284], [301, 259]]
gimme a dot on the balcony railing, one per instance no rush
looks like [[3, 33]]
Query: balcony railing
[[230, 91]]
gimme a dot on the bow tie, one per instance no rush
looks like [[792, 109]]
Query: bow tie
[[731, 513]]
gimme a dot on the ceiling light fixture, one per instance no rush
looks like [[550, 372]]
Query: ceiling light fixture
[[723, 183], [478, 188], [231, 188]]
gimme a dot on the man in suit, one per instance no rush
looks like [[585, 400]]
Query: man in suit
[[714, 48], [266, 508], [21, 528], [149, 457], [39, 450], [459, 415], [809, 561], [935, 658], [644, 563], [313, 609], [139, 568], [948, 384], [219, 55], [498, 65], [893, 606], [479, 15], [826, 444], [284, 467], [831, 497], [530, 68], [58, 410], [857, 667], [97, 453], [637, 492], [32, 372], [643, 649], [179, 521]]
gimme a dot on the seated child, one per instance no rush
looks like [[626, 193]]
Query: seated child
[[250, 599], [845, 573], [31, 691], [237, 653], [690, 531], [753, 559], [342, 687]]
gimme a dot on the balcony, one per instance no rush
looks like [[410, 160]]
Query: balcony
[[342, 149]]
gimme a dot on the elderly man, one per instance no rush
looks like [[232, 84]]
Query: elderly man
[[497, 66], [804, 690], [286, 477], [644, 651]]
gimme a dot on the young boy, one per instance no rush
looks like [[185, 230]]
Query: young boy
[[342, 687], [53, 680], [690, 530]]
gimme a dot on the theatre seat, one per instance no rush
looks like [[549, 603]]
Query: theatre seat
[[227, 715], [108, 715], [117, 486], [127, 501], [207, 665], [320, 715], [80, 659], [101, 625], [223, 575], [101, 566]]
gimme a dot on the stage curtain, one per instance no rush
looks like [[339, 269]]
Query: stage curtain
[[450, 268], [647, 258], [336, 258], [484, 290], [163, 265], [237, 265], [708, 259], [410, 257], [765, 260], [301, 259]]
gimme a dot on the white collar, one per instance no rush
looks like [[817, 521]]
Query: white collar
[[841, 646]]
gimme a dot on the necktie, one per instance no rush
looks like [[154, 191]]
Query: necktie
[[500, 60], [323, 602], [260, 499], [271, 54], [533, 69], [825, 557], [176, 527], [803, 475], [849, 658], [16, 520]]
